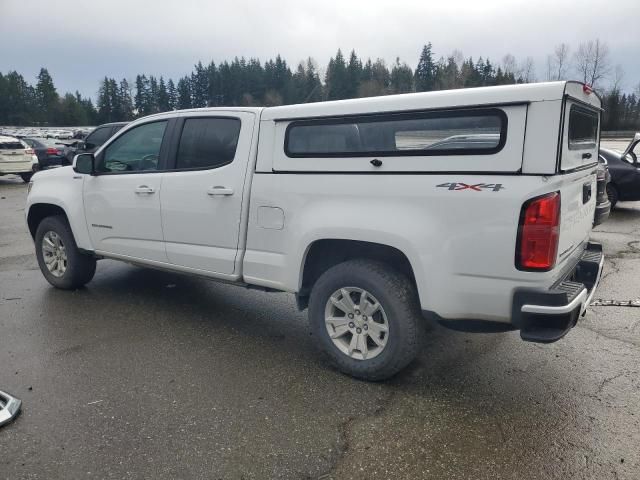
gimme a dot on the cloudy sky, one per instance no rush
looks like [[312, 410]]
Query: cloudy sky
[[82, 41]]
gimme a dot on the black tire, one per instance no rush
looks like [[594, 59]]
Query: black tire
[[612, 193], [80, 267], [26, 177], [398, 297]]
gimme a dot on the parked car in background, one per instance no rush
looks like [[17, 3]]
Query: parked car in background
[[603, 205], [625, 172], [16, 158], [59, 134], [94, 140], [50, 154]]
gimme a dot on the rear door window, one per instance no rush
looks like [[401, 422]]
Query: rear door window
[[207, 143]]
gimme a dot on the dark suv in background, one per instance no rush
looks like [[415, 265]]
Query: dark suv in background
[[624, 168], [94, 140]]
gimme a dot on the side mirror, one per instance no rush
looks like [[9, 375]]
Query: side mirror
[[81, 145], [84, 163]]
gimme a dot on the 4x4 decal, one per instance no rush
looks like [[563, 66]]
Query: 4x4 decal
[[478, 187]]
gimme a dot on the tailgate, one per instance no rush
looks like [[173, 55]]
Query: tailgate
[[579, 159], [577, 203]]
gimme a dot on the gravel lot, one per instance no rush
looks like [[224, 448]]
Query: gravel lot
[[146, 374]]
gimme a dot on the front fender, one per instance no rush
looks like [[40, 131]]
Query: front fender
[[62, 188]]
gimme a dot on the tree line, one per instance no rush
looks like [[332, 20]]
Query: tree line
[[249, 82]]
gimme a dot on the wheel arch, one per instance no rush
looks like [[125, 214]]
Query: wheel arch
[[322, 254], [40, 211]]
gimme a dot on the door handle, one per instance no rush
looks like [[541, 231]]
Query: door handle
[[144, 190], [586, 156], [219, 190]]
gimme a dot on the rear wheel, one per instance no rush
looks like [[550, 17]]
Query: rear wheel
[[60, 261], [26, 177], [365, 317], [612, 194]]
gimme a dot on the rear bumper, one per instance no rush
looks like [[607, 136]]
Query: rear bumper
[[15, 167], [546, 315]]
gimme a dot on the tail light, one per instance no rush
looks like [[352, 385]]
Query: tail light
[[538, 233], [28, 151], [53, 151]]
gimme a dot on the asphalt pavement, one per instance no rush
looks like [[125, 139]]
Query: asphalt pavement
[[144, 374]]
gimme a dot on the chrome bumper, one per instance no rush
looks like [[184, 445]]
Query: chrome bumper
[[547, 315]]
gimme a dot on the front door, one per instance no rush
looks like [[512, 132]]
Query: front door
[[122, 201], [202, 193]]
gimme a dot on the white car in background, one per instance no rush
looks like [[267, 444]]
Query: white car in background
[[16, 158], [63, 135]]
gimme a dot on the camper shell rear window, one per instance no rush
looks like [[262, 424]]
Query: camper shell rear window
[[459, 132], [583, 128]]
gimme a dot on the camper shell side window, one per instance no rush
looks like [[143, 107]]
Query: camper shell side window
[[472, 132]]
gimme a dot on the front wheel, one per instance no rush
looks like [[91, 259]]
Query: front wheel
[[60, 261], [365, 317]]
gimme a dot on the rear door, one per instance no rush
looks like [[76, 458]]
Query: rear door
[[578, 164], [202, 193]]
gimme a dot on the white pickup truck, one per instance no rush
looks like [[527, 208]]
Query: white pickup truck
[[472, 207]]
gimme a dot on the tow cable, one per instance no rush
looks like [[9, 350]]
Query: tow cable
[[9, 407], [615, 303]]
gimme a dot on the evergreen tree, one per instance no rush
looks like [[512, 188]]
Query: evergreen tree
[[214, 97], [172, 95], [163, 96], [46, 96], [105, 110], [126, 102], [141, 98], [337, 78], [401, 78], [425, 71], [71, 112], [199, 86], [313, 88], [18, 104], [354, 75], [184, 93], [115, 101], [152, 100]]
